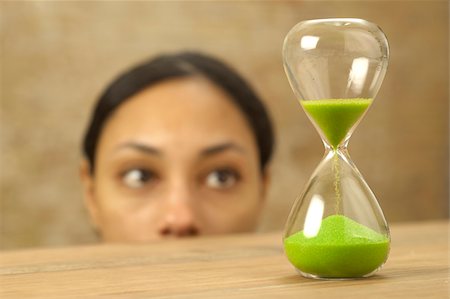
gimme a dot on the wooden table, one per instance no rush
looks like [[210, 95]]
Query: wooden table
[[238, 266]]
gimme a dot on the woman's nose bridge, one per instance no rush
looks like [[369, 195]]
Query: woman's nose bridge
[[179, 218], [180, 201], [179, 189]]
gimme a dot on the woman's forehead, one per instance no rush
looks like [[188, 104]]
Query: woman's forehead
[[180, 101], [179, 112]]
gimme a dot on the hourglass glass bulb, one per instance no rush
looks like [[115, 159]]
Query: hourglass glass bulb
[[336, 59]]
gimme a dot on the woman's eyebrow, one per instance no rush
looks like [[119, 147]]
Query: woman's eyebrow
[[141, 147], [215, 149]]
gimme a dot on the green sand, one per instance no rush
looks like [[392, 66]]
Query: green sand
[[336, 117], [342, 248]]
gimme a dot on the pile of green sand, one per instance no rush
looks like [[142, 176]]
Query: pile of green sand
[[335, 117], [342, 248]]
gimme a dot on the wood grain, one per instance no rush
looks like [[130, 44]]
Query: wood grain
[[237, 266]]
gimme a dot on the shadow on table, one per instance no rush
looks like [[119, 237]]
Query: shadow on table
[[299, 279], [386, 274]]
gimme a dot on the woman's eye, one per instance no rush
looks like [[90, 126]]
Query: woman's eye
[[223, 178], [136, 178]]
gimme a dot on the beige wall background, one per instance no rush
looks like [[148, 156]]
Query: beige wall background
[[56, 57]]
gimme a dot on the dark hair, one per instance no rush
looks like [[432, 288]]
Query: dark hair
[[183, 64]]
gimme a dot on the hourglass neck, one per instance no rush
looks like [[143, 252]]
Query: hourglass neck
[[342, 147]]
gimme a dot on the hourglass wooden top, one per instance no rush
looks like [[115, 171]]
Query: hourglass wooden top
[[336, 117]]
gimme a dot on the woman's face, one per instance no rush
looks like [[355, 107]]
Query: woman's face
[[177, 159]]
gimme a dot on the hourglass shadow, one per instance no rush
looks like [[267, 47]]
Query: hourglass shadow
[[301, 280]]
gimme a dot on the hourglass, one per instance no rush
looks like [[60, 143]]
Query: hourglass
[[336, 228]]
